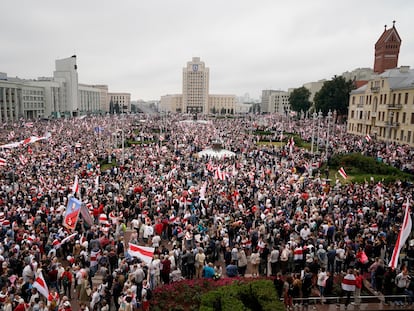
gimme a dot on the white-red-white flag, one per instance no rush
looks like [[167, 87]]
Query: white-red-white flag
[[75, 187], [143, 252], [94, 258], [402, 236], [23, 159], [342, 172], [3, 162], [368, 138], [219, 174], [40, 284]]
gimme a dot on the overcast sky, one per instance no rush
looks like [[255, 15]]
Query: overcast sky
[[141, 46]]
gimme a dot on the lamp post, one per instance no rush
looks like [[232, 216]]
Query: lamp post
[[329, 117], [314, 115], [390, 119], [319, 125]]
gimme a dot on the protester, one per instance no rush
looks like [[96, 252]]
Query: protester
[[268, 198]]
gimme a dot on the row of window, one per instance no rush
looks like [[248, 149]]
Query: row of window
[[381, 116], [396, 99], [32, 92]]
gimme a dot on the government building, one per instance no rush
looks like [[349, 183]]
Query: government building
[[58, 96], [195, 98]]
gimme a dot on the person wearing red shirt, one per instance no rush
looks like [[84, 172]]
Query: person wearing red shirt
[[21, 306], [67, 278]]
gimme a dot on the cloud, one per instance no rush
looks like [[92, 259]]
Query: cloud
[[141, 46]]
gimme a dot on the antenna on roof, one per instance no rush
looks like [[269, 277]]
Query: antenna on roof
[[385, 27], [393, 23]]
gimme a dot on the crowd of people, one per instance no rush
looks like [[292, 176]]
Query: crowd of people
[[267, 211]]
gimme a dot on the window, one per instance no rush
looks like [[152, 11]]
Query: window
[[406, 99], [412, 118], [403, 117]]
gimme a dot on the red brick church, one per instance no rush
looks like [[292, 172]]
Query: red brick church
[[387, 49]]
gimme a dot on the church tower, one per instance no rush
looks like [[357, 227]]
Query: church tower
[[387, 49]]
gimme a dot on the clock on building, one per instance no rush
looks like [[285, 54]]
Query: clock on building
[[195, 67]]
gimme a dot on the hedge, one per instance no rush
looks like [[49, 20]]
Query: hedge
[[257, 295]]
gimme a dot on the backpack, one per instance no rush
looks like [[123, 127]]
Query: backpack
[[149, 293], [65, 280]]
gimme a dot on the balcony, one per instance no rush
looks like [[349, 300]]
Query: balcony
[[360, 105], [373, 114], [394, 106], [375, 89], [392, 124]]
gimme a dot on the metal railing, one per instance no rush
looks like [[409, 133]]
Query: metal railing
[[338, 299]]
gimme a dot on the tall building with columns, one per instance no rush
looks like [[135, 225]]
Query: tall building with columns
[[10, 101]]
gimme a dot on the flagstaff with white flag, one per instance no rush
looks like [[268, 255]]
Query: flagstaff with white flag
[[405, 232]]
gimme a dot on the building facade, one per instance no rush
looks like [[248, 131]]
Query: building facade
[[67, 74], [121, 100], [57, 96], [171, 103], [274, 101], [195, 86], [384, 108], [11, 108], [222, 104], [195, 97]]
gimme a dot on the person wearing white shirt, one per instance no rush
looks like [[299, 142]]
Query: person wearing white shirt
[[305, 233]]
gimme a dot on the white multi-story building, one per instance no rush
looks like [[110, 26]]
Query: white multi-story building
[[222, 104], [67, 74], [89, 98], [10, 101], [57, 96], [275, 101], [195, 87], [195, 97], [171, 103], [121, 100]]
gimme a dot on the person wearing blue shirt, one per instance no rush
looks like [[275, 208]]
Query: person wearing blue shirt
[[208, 271], [231, 270]]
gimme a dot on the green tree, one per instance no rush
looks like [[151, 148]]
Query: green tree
[[334, 95], [299, 99]]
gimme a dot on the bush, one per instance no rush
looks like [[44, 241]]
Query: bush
[[362, 168], [257, 295], [224, 294]]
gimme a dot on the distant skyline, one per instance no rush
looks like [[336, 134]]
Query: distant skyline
[[140, 47]]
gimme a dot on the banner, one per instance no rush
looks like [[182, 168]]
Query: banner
[[142, 252], [72, 213]]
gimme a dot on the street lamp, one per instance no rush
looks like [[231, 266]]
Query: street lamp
[[329, 117], [390, 119], [319, 125], [314, 115]]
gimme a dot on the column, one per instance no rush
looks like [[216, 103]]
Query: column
[[3, 94], [16, 105]]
